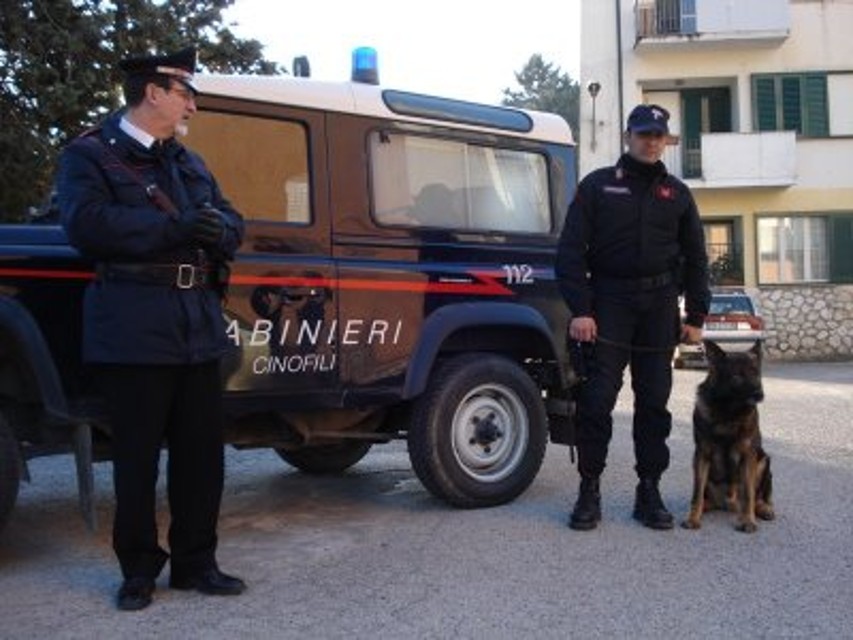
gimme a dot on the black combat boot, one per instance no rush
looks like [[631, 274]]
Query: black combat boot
[[648, 506], [587, 512]]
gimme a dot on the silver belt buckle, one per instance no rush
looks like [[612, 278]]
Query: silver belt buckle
[[186, 276]]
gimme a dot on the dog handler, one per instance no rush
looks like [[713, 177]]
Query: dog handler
[[631, 243]]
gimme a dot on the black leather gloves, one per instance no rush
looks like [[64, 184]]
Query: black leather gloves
[[206, 226]]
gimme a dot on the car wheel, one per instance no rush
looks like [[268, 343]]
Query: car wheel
[[10, 470], [327, 458], [478, 434]]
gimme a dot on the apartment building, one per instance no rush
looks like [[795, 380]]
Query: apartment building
[[761, 97]]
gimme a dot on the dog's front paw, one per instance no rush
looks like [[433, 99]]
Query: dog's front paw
[[765, 511], [747, 527], [691, 523]]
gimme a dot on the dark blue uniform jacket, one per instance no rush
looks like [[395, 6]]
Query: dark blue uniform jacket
[[108, 216], [628, 222]]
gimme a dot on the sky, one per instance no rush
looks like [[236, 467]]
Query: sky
[[464, 49]]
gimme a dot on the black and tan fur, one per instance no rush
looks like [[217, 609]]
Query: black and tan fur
[[730, 468]]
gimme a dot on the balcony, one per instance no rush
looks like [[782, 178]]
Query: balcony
[[737, 160], [668, 23]]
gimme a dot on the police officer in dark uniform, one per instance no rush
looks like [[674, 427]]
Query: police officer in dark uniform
[[151, 215], [631, 243]]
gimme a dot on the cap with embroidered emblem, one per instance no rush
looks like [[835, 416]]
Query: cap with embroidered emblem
[[648, 118], [180, 66]]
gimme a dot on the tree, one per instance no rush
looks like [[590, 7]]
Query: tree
[[59, 73], [545, 88]]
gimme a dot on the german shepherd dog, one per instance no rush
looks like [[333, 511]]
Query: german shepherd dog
[[730, 469]]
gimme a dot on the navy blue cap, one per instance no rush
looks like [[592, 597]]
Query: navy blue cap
[[180, 66], [649, 117]]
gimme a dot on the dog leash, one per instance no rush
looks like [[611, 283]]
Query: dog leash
[[631, 347]]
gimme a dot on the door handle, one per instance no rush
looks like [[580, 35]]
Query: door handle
[[290, 295]]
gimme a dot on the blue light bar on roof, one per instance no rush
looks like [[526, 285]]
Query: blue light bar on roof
[[365, 67]]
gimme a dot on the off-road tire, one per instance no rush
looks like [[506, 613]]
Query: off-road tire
[[478, 433], [326, 459], [10, 470]]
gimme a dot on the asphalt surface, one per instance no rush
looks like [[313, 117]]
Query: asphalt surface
[[370, 554]]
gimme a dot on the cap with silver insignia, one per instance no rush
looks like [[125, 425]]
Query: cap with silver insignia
[[180, 66], [649, 117]]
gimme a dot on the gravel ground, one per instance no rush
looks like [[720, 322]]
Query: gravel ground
[[371, 554]]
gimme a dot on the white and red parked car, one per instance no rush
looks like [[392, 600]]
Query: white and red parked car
[[733, 322]]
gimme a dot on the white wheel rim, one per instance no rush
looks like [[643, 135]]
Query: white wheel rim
[[490, 432]]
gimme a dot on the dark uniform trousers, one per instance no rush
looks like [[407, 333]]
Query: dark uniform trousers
[[180, 405], [644, 327]]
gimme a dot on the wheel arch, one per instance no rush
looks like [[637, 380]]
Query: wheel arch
[[479, 327], [27, 371]]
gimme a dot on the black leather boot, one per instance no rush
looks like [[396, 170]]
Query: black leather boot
[[587, 512], [648, 506]]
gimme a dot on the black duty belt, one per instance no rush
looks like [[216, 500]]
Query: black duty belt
[[646, 283], [180, 276]]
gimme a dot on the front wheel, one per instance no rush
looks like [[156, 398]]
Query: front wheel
[[479, 432], [10, 473], [327, 458]]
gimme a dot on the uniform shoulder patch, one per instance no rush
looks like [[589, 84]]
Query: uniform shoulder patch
[[665, 192]]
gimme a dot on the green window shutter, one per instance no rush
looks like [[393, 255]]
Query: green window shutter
[[815, 106], [841, 248], [792, 119], [764, 90]]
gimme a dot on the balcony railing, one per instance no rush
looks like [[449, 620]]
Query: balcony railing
[[731, 160], [668, 22], [658, 18]]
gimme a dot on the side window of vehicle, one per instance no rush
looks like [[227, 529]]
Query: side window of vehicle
[[431, 182], [261, 164]]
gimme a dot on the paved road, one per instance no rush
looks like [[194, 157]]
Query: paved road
[[371, 554]]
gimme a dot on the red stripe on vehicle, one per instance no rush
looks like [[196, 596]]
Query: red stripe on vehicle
[[486, 283], [47, 274]]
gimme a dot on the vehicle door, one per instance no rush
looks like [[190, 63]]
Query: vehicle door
[[270, 162]]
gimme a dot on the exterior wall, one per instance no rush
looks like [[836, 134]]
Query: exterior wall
[[598, 64], [807, 322], [818, 40], [748, 204]]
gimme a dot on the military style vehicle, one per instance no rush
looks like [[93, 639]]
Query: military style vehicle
[[396, 281]]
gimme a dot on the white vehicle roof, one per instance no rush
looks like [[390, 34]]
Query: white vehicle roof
[[367, 100]]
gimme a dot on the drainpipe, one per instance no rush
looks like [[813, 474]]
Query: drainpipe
[[619, 74]]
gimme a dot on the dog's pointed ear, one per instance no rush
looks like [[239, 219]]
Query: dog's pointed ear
[[713, 351]]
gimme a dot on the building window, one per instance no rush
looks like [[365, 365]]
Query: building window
[[419, 181], [725, 257], [793, 249], [791, 102]]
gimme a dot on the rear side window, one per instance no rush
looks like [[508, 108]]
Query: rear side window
[[420, 181], [261, 164], [735, 305]]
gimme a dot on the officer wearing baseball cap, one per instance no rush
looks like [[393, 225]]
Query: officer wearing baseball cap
[[649, 118], [150, 214], [632, 243]]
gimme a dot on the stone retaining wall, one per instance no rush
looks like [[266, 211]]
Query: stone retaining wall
[[808, 322]]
